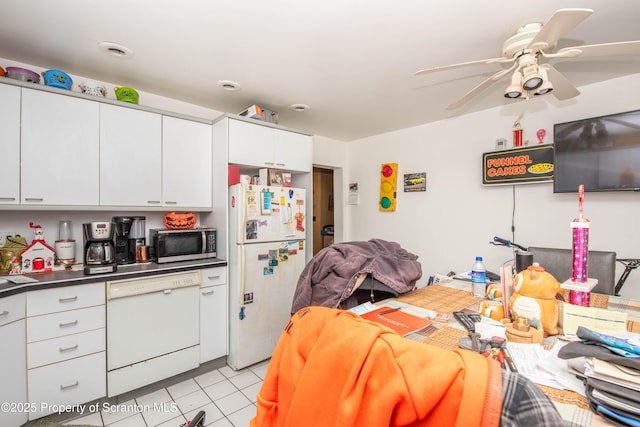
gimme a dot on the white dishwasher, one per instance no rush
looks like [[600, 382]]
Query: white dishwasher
[[152, 329]]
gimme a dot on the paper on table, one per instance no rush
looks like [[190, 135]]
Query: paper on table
[[596, 319], [363, 308], [488, 328], [544, 367], [20, 279]]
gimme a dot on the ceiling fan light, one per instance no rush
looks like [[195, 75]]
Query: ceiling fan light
[[546, 86], [514, 90], [532, 78], [544, 89]]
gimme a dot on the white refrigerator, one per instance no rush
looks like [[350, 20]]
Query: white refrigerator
[[266, 257]]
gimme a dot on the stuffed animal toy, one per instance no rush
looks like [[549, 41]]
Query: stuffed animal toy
[[534, 298], [492, 310], [494, 292]]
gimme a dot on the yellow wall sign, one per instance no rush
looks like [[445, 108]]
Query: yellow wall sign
[[519, 165], [388, 186]]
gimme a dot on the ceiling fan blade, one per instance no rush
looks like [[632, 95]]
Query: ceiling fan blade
[[562, 87], [560, 23], [605, 49], [464, 64], [482, 86]]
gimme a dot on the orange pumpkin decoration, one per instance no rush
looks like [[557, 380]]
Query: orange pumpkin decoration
[[179, 221]]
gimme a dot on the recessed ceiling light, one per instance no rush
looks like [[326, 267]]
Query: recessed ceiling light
[[229, 85], [299, 107], [115, 49]]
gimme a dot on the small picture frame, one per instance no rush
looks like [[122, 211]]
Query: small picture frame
[[275, 178], [286, 179], [415, 182]]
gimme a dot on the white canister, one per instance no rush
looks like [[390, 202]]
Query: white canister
[[245, 179], [65, 250], [93, 88]]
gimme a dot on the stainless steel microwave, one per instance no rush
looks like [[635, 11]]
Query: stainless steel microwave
[[182, 245]]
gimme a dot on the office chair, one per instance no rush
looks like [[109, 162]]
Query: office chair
[[559, 263]]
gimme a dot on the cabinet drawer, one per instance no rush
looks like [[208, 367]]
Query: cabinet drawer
[[75, 381], [12, 308], [64, 298], [213, 276], [65, 323], [63, 348]]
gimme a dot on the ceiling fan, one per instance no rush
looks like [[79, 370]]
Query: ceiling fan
[[524, 51]]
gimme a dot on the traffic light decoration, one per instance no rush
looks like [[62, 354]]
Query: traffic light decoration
[[388, 185]]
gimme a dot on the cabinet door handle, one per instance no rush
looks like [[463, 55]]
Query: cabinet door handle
[[153, 202], [64, 325], [213, 277], [70, 348], [170, 203], [4, 312], [269, 163], [68, 299], [281, 164], [68, 386], [33, 199], [7, 199], [167, 291], [208, 292]]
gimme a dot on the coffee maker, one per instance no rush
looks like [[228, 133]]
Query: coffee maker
[[129, 235], [99, 249]]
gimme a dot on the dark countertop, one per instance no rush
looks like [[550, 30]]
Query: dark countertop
[[65, 278]]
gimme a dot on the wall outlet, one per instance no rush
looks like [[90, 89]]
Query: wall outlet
[[3, 236]]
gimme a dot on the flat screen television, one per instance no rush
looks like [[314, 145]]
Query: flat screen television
[[602, 153]]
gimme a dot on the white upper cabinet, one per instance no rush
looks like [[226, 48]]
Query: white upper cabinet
[[266, 147], [130, 157], [292, 151], [186, 163], [60, 150], [10, 144]]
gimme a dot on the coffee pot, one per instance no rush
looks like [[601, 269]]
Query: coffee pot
[[99, 249]]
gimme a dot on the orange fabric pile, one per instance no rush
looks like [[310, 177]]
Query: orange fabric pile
[[333, 368]]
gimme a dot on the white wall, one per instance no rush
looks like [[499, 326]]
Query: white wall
[[454, 220]]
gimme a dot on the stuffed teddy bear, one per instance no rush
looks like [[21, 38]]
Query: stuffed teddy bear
[[534, 298]]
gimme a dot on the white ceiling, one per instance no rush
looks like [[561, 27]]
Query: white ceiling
[[351, 61]]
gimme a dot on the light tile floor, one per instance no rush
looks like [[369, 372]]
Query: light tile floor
[[228, 398]]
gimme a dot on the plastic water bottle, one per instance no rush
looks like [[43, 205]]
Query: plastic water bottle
[[478, 278]]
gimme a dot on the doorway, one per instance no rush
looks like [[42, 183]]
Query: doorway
[[323, 208]]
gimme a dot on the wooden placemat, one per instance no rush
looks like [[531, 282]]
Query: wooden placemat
[[445, 337], [598, 300], [440, 298], [565, 396]]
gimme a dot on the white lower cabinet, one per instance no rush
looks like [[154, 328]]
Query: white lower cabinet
[[66, 347], [213, 314], [56, 352], [72, 382], [13, 368]]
